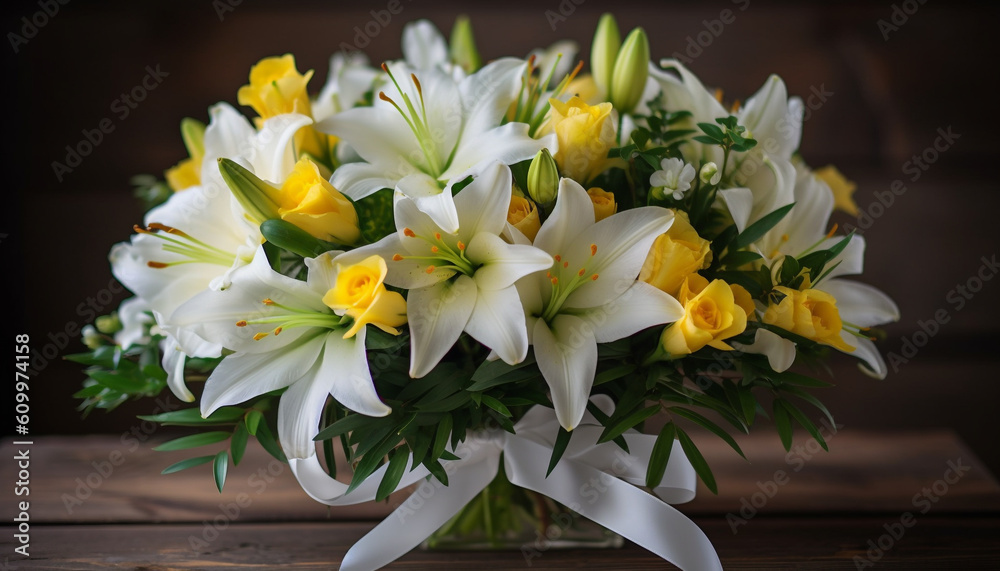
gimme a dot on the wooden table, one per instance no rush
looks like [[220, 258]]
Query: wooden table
[[97, 502]]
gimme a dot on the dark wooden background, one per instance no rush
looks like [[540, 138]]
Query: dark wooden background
[[890, 97]]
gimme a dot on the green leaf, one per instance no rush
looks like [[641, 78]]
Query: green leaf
[[697, 461], [783, 423], [660, 455], [811, 400], [239, 443], [220, 468], [713, 131], [193, 441], [117, 381], [614, 373], [441, 436], [710, 426], [393, 473], [192, 417], [562, 441], [375, 215], [268, 442], [760, 227], [737, 258], [497, 406], [349, 423], [373, 459], [437, 470], [185, 464], [805, 422], [612, 432]]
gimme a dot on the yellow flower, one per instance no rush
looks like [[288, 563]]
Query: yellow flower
[[359, 290], [843, 189], [523, 215], [709, 317], [604, 203], [675, 255], [310, 202], [743, 299], [276, 87], [186, 174], [811, 313], [585, 133]]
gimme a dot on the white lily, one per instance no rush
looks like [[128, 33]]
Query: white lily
[[591, 295], [800, 232], [196, 239], [284, 335], [774, 120], [424, 48], [424, 134], [350, 77], [464, 281]]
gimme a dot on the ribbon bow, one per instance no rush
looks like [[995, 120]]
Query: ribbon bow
[[621, 507]]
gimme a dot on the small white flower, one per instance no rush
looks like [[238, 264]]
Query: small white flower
[[675, 175]]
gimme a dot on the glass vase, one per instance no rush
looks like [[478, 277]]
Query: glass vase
[[507, 517]]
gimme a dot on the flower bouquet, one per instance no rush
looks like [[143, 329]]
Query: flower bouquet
[[486, 277]]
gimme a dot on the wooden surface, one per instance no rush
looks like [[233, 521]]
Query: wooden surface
[[821, 518]]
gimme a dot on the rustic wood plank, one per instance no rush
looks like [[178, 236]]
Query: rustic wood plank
[[768, 543], [863, 472]]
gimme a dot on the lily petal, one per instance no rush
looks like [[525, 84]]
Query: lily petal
[[299, 412], [497, 321], [423, 45], [861, 304], [503, 263], [358, 180], [508, 144], [872, 363], [640, 307], [567, 357], [437, 315], [780, 352], [573, 212], [346, 362], [431, 199], [242, 376], [482, 205]]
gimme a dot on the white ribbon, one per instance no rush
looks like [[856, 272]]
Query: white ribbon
[[597, 481]]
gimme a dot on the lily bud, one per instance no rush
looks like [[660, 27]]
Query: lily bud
[[108, 324], [259, 199], [463, 46], [543, 178], [604, 51], [193, 133], [631, 71], [91, 338], [709, 173]]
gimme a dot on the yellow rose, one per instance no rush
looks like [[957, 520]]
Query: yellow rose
[[675, 255], [276, 87], [523, 215], [811, 313], [744, 300], [310, 202], [585, 133], [709, 317], [359, 291], [604, 203]]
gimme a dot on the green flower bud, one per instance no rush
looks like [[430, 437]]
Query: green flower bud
[[463, 45], [193, 133], [631, 72], [543, 178], [108, 324], [258, 198], [709, 173], [91, 338], [604, 51]]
